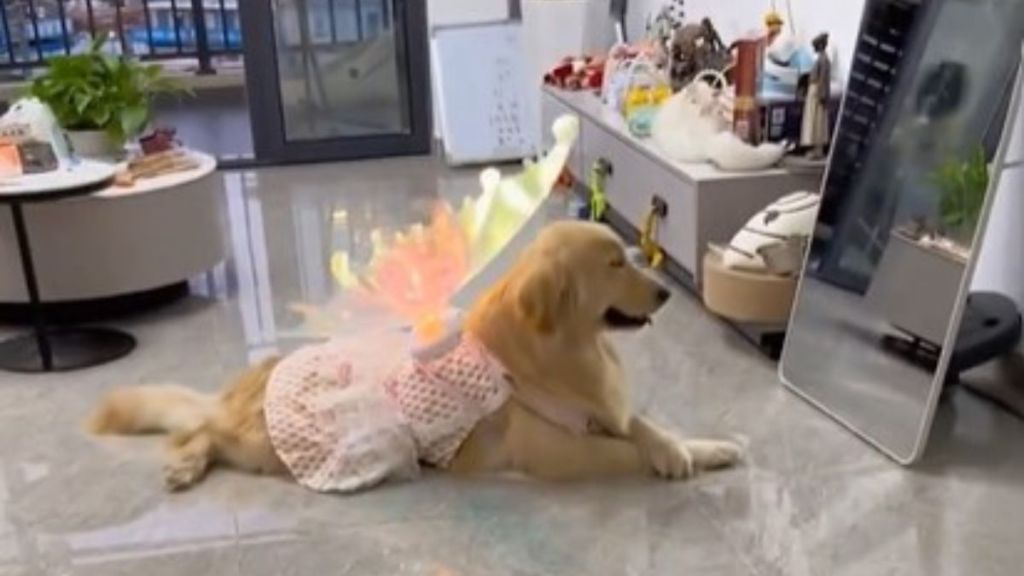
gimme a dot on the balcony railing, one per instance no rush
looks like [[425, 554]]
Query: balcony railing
[[199, 30], [33, 30]]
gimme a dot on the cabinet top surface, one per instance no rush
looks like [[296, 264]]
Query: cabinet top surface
[[590, 106]]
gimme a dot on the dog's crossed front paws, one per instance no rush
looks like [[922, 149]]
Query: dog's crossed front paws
[[714, 454], [675, 459], [670, 458]]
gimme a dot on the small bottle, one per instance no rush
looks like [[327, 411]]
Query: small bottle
[[746, 114]]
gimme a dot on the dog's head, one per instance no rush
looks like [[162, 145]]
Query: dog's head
[[577, 276]]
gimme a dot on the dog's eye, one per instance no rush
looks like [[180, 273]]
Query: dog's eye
[[619, 262]]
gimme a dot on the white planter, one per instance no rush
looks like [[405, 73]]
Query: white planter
[[915, 288], [94, 144]]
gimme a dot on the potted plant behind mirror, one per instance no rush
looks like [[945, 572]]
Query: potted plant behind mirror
[[932, 252], [102, 101], [963, 184]]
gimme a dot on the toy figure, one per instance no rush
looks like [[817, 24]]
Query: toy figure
[[662, 28], [695, 48], [773, 24], [814, 133]]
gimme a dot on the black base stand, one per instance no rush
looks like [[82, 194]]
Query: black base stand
[[991, 328], [48, 349], [70, 349], [96, 310]]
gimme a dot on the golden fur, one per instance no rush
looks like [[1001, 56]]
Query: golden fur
[[545, 321]]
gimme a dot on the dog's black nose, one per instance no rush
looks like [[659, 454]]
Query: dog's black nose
[[663, 295]]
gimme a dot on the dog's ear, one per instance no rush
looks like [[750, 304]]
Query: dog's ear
[[544, 294]]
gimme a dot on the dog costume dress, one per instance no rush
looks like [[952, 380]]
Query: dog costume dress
[[343, 419]]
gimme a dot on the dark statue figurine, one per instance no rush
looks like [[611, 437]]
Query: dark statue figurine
[[814, 133]]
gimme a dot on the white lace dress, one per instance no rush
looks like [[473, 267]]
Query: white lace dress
[[342, 420]]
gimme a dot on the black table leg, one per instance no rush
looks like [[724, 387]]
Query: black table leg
[[49, 349], [28, 268]]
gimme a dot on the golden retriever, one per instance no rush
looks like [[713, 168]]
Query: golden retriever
[[546, 321]]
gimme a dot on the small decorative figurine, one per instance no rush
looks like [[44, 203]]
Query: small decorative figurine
[[661, 29], [814, 133], [32, 138], [773, 24], [160, 140], [695, 48]]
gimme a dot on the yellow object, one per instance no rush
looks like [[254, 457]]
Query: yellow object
[[643, 96], [649, 239], [414, 272], [430, 328], [507, 203], [341, 269], [773, 20]]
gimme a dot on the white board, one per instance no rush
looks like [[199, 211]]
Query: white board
[[482, 90]]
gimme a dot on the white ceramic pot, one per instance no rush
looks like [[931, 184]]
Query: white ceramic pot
[[95, 144]]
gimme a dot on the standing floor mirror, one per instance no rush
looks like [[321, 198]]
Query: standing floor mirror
[[884, 322]]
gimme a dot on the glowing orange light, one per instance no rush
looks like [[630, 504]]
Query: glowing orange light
[[417, 275]]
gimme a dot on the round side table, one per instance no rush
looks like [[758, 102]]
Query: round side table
[[48, 349]]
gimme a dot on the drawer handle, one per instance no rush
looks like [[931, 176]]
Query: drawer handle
[[659, 206], [599, 173], [649, 235]]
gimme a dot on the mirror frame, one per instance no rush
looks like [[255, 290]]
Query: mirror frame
[[953, 328]]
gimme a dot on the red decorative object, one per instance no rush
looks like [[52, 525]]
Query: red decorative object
[[161, 140], [586, 73], [747, 74], [566, 179]]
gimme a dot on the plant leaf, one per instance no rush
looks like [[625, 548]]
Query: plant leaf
[[134, 120], [94, 90]]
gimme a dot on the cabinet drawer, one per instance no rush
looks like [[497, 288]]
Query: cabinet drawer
[[634, 181]]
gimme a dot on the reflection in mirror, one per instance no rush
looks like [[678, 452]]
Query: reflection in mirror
[[390, 264], [927, 102]]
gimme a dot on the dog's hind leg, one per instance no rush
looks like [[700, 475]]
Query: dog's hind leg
[[190, 455]]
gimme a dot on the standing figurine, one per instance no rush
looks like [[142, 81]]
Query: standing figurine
[[665, 22], [773, 24], [814, 133]]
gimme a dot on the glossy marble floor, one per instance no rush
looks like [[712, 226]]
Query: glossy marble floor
[[810, 500]]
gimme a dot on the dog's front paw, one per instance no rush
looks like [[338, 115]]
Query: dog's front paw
[[714, 454], [670, 458], [183, 474]]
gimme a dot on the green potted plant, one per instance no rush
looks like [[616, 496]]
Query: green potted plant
[[964, 184], [933, 252], [102, 101]]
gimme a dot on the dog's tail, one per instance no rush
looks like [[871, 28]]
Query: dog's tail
[[152, 409]]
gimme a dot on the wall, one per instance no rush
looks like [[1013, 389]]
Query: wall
[[1000, 265], [447, 12], [734, 18], [441, 12]]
